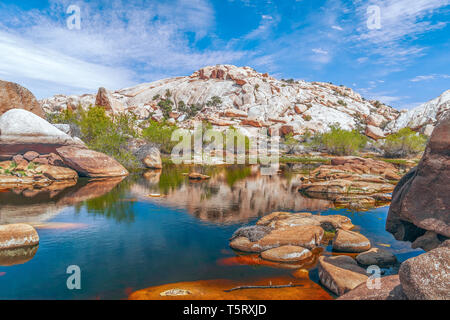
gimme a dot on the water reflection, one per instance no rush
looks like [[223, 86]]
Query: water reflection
[[17, 256], [233, 194], [38, 205]]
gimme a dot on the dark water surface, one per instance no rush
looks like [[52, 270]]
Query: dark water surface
[[123, 239]]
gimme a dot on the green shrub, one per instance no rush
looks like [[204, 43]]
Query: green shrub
[[166, 107], [404, 143], [339, 141], [342, 103], [214, 102], [160, 134]]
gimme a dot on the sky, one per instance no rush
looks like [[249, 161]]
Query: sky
[[395, 51]]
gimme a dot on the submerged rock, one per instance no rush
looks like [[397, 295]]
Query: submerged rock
[[17, 235], [340, 274]]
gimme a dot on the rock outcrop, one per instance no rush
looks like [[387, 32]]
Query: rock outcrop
[[22, 131], [424, 117], [420, 201], [14, 96], [248, 99]]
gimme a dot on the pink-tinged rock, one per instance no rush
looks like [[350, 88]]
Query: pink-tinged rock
[[421, 200], [374, 132], [14, 96], [341, 274], [427, 276], [31, 155], [389, 289], [89, 163]]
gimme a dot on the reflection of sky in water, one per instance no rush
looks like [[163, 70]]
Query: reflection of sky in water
[[122, 245]]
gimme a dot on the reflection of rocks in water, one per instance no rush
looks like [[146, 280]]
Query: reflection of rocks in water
[[37, 205], [17, 256], [231, 195]]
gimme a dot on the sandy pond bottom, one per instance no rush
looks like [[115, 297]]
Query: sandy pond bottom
[[124, 240]]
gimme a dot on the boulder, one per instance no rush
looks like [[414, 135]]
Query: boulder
[[198, 176], [304, 236], [106, 100], [286, 254], [390, 289], [350, 241], [30, 155], [57, 173], [420, 201], [429, 241], [150, 156], [17, 236], [374, 132], [340, 274], [89, 163], [427, 276], [244, 244], [376, 256], [22, 131], [252, 233], [14, 96]]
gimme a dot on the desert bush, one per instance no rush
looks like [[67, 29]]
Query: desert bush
[[160, 134], [404, 143], [339, 141]]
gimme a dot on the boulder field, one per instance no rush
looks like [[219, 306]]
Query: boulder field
[[294, 239], [352, 182], [34, 152]]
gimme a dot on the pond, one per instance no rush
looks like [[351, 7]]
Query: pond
[[125, 237]]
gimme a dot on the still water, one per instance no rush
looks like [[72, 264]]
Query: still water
[[124, 240]]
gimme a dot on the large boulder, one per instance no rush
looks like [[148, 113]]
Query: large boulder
[[421, 201], [340, 274], [17, 235], [22, 131], [390, 289], [14, 96], [89, 163], [427, 276]]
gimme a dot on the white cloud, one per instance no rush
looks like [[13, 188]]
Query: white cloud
[[151, 38], [337, 28], [430, 77], [319, 51]]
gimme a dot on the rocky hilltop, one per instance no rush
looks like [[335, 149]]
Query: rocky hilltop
[[249, 100], [424, 117]]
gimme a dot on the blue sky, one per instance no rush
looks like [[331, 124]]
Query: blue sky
[[403, 63]]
